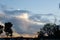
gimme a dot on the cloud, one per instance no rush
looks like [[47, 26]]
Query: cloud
[[23, 21], [27, 25], [15, 12], [23, 16]]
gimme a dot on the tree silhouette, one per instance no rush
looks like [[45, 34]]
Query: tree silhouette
[[47, 28], [40, 34], [1, 29], [57, 31], [52, 31], [8, 29]]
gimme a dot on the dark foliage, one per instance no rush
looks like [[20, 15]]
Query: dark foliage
[[1, 29], [52, 31], [8, 29]]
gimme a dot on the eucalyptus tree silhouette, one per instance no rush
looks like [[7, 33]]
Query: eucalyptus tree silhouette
[[8, 29]]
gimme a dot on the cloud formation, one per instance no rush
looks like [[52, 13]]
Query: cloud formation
[[23, 21]]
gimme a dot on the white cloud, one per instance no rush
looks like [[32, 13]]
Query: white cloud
[[22, 21], [23, 16]]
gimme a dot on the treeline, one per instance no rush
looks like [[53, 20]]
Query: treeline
[[49, 31]]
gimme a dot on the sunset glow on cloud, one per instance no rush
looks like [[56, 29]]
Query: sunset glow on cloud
[[23, 16]]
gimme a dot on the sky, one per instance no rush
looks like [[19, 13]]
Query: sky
[[36, 6], [27, 14]]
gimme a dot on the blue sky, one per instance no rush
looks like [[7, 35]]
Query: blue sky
[[36, 6]]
